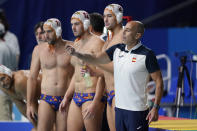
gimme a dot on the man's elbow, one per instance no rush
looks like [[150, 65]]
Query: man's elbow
[[31, 80]]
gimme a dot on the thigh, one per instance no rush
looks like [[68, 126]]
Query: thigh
[[61, 120], [94, 124], [75, 119], [46, 116], [111, 117]]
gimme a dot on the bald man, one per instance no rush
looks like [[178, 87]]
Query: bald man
[[133, 65]]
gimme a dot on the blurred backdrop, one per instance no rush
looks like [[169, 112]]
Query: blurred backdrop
[[171, 25], [22, 15]]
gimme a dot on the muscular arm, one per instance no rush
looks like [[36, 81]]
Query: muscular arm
[[107, 67], [71, 89], [99, 58], [32, 79], [99, 90], [68, 95], [157, 77]]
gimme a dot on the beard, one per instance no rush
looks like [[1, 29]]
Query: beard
[[51, 41]]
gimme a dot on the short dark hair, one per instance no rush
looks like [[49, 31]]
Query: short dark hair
[[39, 25], [97, 22], [140, 27], [3, 19]]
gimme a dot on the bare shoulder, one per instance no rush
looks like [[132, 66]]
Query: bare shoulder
[[116, 39], [37, 48], [20, 77], [21, 73], [41, 46], [97, 41]]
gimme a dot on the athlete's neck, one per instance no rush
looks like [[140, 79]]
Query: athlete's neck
[[132, 44], [117, 29], [85, 36], [57, 42]]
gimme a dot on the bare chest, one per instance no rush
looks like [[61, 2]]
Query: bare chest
[[88, 48], [57, 58]]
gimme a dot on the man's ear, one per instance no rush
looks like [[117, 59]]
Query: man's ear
[[138, 36]]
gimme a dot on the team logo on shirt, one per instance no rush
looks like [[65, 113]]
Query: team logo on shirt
[[133, 59], [121, 56]]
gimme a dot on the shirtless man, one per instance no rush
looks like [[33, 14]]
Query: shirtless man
[[50, 57], [87, 105], [112, 17], [14, 84]]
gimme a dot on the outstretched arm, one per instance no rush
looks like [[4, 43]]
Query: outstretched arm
[[100, 58], [107, 67]]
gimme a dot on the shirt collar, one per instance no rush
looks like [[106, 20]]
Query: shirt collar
[[134, 48]]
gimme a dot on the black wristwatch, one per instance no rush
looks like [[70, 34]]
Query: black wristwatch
[[156, 106]]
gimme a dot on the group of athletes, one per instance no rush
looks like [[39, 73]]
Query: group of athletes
[[54, 93]]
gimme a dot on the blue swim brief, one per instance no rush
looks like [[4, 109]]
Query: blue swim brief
[[110, 97], [80, 98], [53, 101]]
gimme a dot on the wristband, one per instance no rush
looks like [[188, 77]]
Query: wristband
[[156, 106]]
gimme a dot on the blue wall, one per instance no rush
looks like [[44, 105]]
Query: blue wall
[[170, 41], [24, 14]]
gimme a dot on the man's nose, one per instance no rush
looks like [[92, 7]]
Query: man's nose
[[39, 36], [105, 20], [73, 28]]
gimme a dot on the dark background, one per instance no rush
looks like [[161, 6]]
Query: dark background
[[24, 14]]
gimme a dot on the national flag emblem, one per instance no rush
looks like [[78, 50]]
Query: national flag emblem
[[133, 59]]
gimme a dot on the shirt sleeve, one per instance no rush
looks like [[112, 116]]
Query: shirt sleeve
[[110, 52], [12, 41], [152, 63]]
